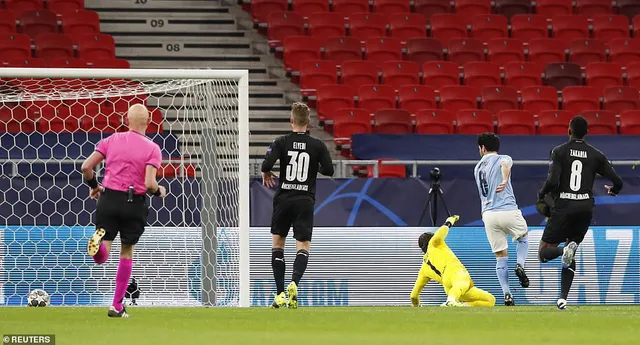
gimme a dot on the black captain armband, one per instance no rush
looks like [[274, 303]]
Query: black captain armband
[[93, 183]]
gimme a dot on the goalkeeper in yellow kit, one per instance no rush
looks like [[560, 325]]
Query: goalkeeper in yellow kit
[[442, 265]]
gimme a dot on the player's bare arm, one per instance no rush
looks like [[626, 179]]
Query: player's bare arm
[[505, 169]]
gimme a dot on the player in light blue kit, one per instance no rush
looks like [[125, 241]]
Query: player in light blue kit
[[500, 212]]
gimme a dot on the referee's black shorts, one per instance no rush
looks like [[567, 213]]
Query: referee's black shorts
[[567, 225], [116, 215], [296, 213]]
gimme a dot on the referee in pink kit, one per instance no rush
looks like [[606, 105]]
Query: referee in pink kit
[[132, 161]]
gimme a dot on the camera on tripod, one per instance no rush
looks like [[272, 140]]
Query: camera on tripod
[[435, 193], [435, 175]]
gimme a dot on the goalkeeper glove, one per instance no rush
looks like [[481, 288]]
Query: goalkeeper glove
[[451, 220], [543, 206]]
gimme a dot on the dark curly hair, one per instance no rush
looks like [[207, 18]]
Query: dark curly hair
[[423, 241]]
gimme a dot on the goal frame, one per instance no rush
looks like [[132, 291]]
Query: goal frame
[[242, 76]]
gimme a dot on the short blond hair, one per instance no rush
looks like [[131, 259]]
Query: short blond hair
[[300, 113]]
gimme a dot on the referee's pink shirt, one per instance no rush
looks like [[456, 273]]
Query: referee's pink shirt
[[127, 155]]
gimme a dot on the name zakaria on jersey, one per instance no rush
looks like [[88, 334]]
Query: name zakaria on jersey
[[301, 157], [572, 170]]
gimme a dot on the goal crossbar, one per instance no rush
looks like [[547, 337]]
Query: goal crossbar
[[242, 77]]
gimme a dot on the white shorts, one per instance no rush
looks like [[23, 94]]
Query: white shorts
[[500, 224]]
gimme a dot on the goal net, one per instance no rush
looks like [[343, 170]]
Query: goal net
[[195, 250]]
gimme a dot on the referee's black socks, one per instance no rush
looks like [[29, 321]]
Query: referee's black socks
[[300, 265], [278, 266]]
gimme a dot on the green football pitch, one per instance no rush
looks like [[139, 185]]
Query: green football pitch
[[331, 326]]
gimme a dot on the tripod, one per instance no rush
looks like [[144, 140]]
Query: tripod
[[435, 193]]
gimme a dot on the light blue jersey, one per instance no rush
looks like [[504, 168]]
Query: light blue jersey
[[488, 175]]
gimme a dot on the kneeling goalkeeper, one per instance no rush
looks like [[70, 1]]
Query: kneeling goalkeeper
[[442, 265]]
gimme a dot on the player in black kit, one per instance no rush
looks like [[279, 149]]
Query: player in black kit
[[572, 170], [301, 158]]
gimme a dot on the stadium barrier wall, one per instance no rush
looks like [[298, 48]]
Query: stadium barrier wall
[[349, 266]]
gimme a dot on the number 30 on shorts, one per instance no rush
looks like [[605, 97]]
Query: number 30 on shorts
[[298, 168], [576, 176]]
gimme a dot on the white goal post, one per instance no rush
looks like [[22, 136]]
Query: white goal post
[[45, 214]]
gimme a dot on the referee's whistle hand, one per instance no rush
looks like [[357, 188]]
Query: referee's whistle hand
[[95, 192], [163, 191]]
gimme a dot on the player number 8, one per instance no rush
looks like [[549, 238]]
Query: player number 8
[[576, 175], [298, 168]]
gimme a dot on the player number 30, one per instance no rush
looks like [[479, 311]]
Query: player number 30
[[576, 176], [298, 168]]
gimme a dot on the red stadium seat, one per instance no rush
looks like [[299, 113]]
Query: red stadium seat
[[430, 7], [326, 25], [15, 119], [619, 99], [260, 9], [604, 74], [341, 49], [563, 74], [526, 27], [537, 99], [333, 97], [110, 63], [65, 6], [57, 125], [624, 51], [592, 8], [522, 74], [554, 122], [600, 122], [390, 7], [630, 122], [298, 49], [49, 46], [481, 74], [504, 50], [434, 121], [633, 74], [25, 63], [399, 73], [35, 23], [629, 8], [414, 98], [387, 171], [489, 26], [367, 25], [551, 8], [282, 25], [544, 51], [465, 50], [472, 7], [356, 73], [439, 74], [19, 6], [393, 121], [7, 22], [95, 47], [81, 23], [422, 49], [349, 121], [315, 73], [570, 27], [404, 26], [580, 98], [519, 122], [511, 8], [383, 49], [66, 63], [456, 98], [306, 8], [584, 52], [635, 23], [499, 98], [607, 28], [14, 47], [375, 97], [472, 121], [445, 27], [348, 7]]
